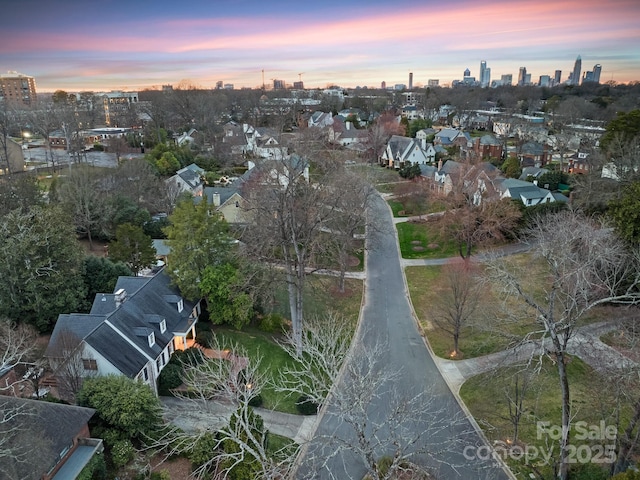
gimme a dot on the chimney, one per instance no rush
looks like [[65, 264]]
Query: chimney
[[216, 199], [120, 297]]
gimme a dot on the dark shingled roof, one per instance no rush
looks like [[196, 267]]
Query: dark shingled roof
[[116, 333], [45, 426]]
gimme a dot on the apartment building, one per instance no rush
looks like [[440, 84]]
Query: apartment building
[[17, 88]]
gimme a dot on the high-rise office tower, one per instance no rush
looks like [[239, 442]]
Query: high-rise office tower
[[506, 79], [597, 69], [485, 74], [410, 80], [575, 75], [557, 77], [522, 76]]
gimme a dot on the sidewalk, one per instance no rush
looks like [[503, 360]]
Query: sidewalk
[[585, 344]]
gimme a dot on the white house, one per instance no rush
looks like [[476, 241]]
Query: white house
[[131, 332]]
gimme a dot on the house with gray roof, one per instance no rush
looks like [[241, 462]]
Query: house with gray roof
[[131, 332], [401, 151], [528, 193], [188, 179], [49, 441]]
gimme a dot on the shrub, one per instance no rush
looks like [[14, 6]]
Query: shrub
[[271, 323], [169, 378], [306, 406], [256, 401], [96, 469], [122, 452], [163, 475]]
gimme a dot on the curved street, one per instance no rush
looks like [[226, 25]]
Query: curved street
[[387, 319]]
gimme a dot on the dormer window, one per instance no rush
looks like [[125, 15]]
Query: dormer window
[[163, 326], [152, 339], [180, 305]]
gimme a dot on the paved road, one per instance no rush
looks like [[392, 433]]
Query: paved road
[[387, 318]]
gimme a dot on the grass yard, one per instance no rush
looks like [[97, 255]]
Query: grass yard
[[592, 402], [499, 321], [376, 174], [321, 298], [426, 288], [422, 240]]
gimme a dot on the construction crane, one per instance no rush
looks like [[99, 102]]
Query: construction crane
[[300, 76]]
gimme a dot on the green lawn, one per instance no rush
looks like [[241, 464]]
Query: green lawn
[[321, 297], [425, 289], [422, 240], [498, 323], [274, 359], [592, 402]]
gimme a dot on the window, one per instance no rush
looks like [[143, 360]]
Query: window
[[163, 326], [145, 374], [152, 339], [180, 305], [89, 364]]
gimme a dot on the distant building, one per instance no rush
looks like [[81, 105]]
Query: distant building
[[557, 77], [298, 85], [219, 85], [433, 82], [522, 76], [383, 85], [593, 75], [544, 81], [116, 102], [17, 88], [485, 74], [228, 86], [411, 81], [574, 77], [278, 84], [506, 79]]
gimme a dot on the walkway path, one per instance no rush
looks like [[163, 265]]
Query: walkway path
[[194, 416], [585, 344]]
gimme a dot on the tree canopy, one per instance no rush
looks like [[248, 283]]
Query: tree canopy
[[123, 404], [198, 237], [42, 266], [133, 248], [625, 213]]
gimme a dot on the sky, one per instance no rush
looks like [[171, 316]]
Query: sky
[[78, 45]]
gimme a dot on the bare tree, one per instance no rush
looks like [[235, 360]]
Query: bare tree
[[515, 391], [288, 213], [83, 196], [585, 265], [365, 386], [457, 303], [347, 227], [378, 135], [70, 364], [475, 214], [17, 345], [325, 343], [8, 126], [235, 379]]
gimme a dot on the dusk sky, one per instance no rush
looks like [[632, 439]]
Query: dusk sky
[[131, 45]]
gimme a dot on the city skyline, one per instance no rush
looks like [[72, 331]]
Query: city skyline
[[136, 45]]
